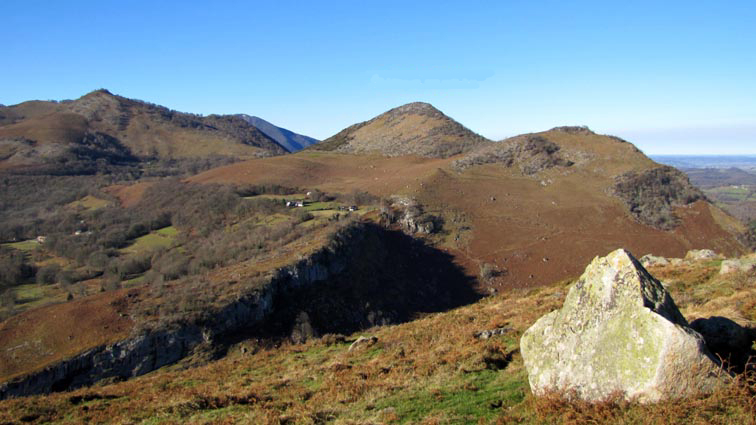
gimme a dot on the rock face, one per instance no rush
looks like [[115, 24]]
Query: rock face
[[144, 353], [652, 195], [531, 154], [618, 332]]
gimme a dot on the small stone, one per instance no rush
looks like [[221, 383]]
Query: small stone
[[649, 260], [363, 341], [486, 334]]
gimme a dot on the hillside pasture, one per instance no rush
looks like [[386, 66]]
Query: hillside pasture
[[161, 238]]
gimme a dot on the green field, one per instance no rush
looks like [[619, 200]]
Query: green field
[[279, 197], [319, 206], [25, 246], [89, 203], [169, 231], [732, 193], [161, 238]]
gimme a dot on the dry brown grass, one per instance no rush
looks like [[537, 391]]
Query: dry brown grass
[[38, 337], [732, 404], [431, 370]]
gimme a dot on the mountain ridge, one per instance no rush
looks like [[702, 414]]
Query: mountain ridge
[[34, 133], [290, 140]]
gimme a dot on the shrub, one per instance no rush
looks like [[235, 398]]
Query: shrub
[[488, 271]]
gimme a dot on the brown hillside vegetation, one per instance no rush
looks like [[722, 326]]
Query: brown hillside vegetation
[[128, 195], [38, 337], [433, 370], [35, 132], [412, 129], [401, 220], [530, 226]]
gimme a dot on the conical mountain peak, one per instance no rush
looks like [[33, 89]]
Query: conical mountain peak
[[417, 128]]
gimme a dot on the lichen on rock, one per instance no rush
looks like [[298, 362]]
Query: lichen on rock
[[618, 332]]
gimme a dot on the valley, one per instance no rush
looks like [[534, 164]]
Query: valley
[[191, 268]]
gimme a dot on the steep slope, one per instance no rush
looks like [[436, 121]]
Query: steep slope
[[412, 129], [527, 209], [103, 125], [291, 141], [460, 366]]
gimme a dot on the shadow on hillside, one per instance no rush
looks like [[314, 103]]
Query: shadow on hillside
[[393, 278]]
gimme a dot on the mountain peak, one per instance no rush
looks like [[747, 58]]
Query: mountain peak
[[417, 128], [99, 92], [574, 129]]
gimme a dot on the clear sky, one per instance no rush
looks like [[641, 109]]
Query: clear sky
[[673, 77]]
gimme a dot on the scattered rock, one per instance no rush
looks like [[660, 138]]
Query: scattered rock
[[618, 331], [649, 260], [530, 153], [363, 341], [492, 332], [702, 254], [736, 265], [496, 359]]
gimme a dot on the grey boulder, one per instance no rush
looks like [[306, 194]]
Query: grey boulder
[[618, 333]]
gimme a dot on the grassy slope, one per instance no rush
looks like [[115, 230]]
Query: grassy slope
[[89, 203], [432, 370], [161, 238]]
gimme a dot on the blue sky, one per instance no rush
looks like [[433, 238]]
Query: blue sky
[[673, 77]]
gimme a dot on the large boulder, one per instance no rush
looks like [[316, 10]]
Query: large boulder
[[618, 333], [743, 265], [702, 254]]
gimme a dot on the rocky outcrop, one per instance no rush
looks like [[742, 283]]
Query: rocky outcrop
[[702, 255], [363, 276], [156, 348], [124, 359], [737, 265], [652, 195], [649, 260], [411, 217], [618, 332], [362, 342], [531, 154]]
